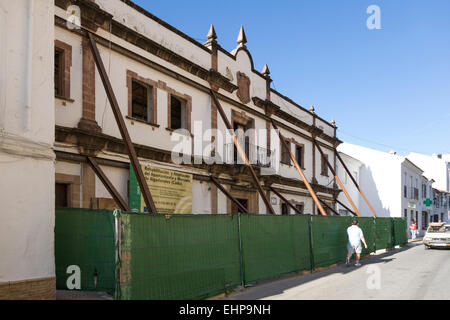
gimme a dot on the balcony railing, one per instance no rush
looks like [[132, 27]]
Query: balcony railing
[[257, 155]]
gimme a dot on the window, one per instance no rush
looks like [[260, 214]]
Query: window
[[284, 209], [299, 151], [62, 65], [59, 70], [61, 198], [406, 213], [285, 156], [300, 207], [324, 167], [142, 102], [178, 113], [405, 191]]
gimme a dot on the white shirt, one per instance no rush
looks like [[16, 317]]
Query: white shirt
[[354, 235]]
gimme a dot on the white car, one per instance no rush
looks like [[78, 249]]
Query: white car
[[437, 236]]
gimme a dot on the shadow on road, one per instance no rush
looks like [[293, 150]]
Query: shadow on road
[[280, 285]]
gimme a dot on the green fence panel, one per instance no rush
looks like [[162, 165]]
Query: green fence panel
[[274, 245], [368, 227], [400, 236], [178, 256], [383, 228], [329, 243], [85, 238]]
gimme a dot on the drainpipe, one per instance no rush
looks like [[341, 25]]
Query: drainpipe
[[28, 89]]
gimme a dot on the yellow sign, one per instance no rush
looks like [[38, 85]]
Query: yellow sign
[[171, 190]]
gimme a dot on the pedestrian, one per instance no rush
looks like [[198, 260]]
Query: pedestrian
[[413, 229], [355, 236]]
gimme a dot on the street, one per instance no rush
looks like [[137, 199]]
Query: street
[[403, 274]]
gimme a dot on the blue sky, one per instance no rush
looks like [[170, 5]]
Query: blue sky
[[387, 89]]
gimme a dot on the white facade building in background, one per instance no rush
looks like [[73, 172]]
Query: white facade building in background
[[394, 185]]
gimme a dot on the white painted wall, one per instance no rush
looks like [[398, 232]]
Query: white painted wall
[[380, 178], [26, 139], [434, 168]]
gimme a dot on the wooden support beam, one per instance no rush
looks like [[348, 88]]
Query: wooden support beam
[[300, 171], [108, 185], [329, 207], [336, 177], [122, 126], [225, 192], [355, 183], [348, 209], [285, 200], [242, 153]]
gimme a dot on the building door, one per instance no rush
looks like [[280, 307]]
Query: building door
[[235, 208]]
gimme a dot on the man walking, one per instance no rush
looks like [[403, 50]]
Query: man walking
[[355, 236]]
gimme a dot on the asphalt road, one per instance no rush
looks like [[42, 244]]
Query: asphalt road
[[407, 273]]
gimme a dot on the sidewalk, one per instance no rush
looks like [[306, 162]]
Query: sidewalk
[[418, 239]]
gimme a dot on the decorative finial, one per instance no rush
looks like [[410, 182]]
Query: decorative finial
[[333, 123], [312, 109], [212, 33], [266, 70], [242, 39]]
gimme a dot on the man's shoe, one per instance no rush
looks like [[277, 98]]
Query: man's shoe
[[347, 262], [357, 264]]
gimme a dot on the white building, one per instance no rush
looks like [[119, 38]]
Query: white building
[[436, 167], [54, 114], [27, 169], [394, 185]]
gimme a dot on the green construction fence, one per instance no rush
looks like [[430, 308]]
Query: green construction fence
[[199, 256], [84, 239]]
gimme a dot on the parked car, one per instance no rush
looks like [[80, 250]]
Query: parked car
[[437, 236]]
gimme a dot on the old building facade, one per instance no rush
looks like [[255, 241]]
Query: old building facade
[[162, 82]]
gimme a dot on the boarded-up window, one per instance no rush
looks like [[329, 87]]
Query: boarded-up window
[[142, 102]]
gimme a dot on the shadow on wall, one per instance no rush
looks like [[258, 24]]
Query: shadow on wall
[[372, 193]]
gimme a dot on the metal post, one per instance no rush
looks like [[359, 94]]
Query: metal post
[[241, 257], [242, 153], [326, 205], [311, 245], [285, 200], [337, 178], [355, 183], [217, 183], [121, 124], [108, 185], [348, 209], [300, 171]]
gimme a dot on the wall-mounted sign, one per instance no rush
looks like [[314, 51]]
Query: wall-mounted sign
[[171, 190], [411, 205], [428, 202]]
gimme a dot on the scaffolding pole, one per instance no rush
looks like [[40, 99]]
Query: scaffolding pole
[[242, 153], [336, 177]]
